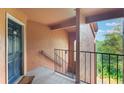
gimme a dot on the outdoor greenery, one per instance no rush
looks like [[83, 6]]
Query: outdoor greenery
[[111, 44]]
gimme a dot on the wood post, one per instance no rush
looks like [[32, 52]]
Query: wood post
[[77, 46]]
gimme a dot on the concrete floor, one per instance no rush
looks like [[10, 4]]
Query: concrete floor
[[44, 75]]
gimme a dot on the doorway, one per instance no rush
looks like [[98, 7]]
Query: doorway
[[14, 49]]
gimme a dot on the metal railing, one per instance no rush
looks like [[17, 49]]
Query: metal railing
[[62, 64], [104, 68]]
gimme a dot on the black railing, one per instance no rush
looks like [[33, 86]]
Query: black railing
[[102, 67], [62, 65], [95, 67]]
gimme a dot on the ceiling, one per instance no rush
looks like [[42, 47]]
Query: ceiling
[[94, 11], [48, 15]]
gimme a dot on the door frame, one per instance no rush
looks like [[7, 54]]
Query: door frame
[[9, 16]]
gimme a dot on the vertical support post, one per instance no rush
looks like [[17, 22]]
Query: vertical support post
[[95, 63], [77, 46]]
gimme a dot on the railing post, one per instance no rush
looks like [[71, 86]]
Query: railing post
[[85, 66], [90, 68], [117, 69], [77, 45], [54, 60]]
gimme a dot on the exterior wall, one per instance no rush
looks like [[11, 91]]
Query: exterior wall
[[87, 44], [19, 15], [40, 37]]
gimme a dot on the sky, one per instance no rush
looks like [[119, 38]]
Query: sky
[[105, 27]]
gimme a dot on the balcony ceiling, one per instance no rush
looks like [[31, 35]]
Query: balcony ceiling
[[48, 15], [95, 11]]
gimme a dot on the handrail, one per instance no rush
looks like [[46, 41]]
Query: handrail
[[47, 56], [93, 52], [61, 58], [108, 61], [66, 68]]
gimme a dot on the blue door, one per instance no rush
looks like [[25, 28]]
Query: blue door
[[15, 64]]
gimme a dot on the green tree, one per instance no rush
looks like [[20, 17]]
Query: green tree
[[111, 44]]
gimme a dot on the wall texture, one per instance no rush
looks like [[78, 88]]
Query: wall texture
[[87, 44], [40, 37], [19, 15]]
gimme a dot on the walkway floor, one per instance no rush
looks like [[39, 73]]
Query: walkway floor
[[46, 76]]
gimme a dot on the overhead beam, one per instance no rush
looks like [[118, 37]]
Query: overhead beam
[[64, 24], [107, 15], [92, 29]]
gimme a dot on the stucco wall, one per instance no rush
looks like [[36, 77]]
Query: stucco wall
[[19, 15], [87, 44], [40, 37]]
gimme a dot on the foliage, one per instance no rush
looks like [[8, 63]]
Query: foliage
[[111, 44]]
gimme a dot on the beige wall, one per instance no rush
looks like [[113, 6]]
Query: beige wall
[[87, 44], [40, 37], [19, 15]]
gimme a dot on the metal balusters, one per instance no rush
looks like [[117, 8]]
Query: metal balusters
[[90, 67], [117, 69], [109, 69], [95, 68], [73, 68], [106, 59], [65, 60], [59, 61], [62, 61], [85, 66], [54, 60], [102, 68]]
